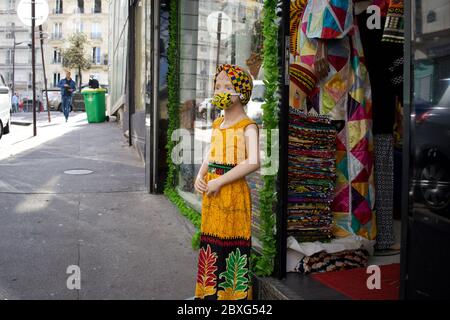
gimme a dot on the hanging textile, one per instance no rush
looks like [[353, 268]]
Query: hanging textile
[[343, 95], [296, 11], [394, 26], [311, 175]]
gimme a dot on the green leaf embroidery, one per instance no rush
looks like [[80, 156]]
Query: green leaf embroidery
[[235, 274]]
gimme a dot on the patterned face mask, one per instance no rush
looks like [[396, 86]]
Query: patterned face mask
[[222, 100]]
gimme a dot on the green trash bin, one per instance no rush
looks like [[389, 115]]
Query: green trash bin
[[94, 101]]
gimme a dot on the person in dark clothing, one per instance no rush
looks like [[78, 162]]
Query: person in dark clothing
[[67, 87], [93, 83]]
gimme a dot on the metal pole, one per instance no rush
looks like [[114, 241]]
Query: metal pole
[[219, 33], [14, 61], [43, 67], [33, 62]]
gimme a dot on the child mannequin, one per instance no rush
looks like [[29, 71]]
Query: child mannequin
[[225, 243]]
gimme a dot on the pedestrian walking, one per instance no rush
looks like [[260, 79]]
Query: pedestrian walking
[[68, 87], [15, 103], [224, 259]]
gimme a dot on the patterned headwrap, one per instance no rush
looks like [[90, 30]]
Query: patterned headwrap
[[240, 79], [304, 78]]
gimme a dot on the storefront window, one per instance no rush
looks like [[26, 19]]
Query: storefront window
[[118, 49], [213, 33], [431, 108], [139, 90]]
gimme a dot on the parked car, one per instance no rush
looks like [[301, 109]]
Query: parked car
[[432, 155], [5, 107]]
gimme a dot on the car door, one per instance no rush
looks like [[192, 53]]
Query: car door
[[5, 101]]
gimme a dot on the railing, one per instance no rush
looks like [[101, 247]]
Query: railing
[[57, 11], [56, 36], [78, 11], [96, 35]]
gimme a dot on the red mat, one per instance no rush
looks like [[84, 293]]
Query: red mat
[[353, 283]]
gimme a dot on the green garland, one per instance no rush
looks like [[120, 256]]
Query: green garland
[[174, 123], [264, 263]]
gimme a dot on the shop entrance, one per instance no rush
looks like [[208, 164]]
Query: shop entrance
[[350, 178]]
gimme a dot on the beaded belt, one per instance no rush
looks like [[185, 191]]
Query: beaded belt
[[219, 169]]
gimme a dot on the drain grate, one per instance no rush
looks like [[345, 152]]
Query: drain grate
[[78, 172]]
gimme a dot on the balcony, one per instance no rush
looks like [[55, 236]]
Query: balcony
[[57, 11], [96, 36], [78, 11], [56, 36]]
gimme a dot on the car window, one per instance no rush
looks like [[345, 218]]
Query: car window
[[2, 81]]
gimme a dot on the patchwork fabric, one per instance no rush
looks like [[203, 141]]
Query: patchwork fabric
[[239, 78], [344, 95]]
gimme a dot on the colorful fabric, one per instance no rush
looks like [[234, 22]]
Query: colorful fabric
[[304, 78], [330, 19], [222, 100], [219, 169], [225, 242], [296, 11], [240, 79], [326, 262], [383, 5], [311, 175], [395, 23], [343, 95]]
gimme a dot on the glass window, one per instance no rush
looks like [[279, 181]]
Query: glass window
[[139, 89], [58, 7], [213, 33], [97, 6], [431, 108], [80, 6]]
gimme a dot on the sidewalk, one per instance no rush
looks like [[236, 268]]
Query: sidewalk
[[127, 243]]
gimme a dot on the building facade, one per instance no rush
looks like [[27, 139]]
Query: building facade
[[15, 52], [77, 16]]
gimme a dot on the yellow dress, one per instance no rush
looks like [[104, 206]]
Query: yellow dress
[[225, 244]]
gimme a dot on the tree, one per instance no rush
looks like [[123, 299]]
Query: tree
[[74, 57]]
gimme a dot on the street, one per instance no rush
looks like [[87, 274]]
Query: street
[[127, 243]]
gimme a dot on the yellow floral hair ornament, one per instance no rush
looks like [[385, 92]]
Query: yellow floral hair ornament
[[240, 79]]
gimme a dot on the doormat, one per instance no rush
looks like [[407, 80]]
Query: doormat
[[353, 283]]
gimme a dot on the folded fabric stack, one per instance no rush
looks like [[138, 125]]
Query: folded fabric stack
[[326, 262], [311, 176]]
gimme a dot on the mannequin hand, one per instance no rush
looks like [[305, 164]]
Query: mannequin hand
[[213, 187], [321, 64], [200, 184]]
